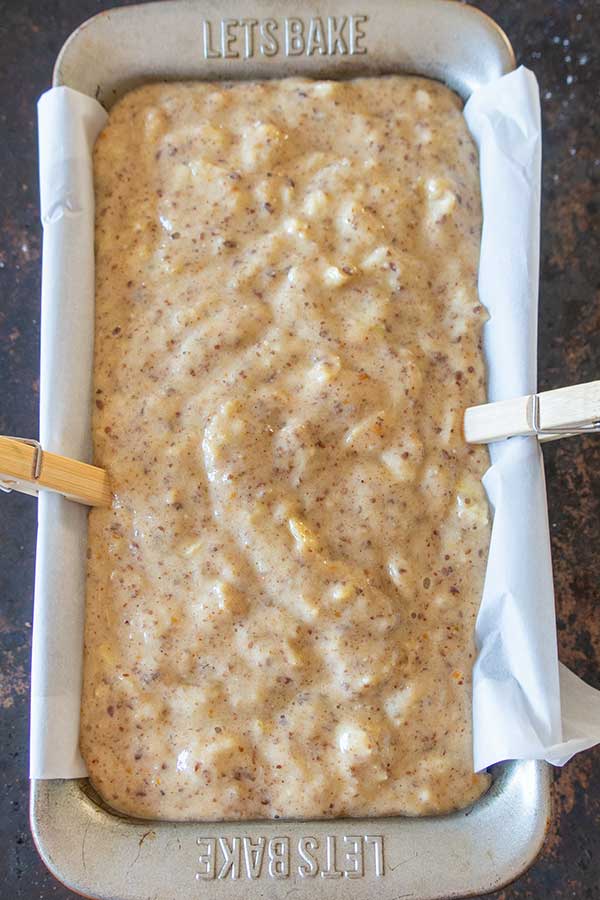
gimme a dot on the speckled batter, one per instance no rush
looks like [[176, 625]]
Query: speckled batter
[[281, 601]]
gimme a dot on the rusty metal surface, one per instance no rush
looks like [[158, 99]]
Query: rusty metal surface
[[557, 40]]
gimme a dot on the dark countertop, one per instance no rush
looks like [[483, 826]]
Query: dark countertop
[[558, 39]]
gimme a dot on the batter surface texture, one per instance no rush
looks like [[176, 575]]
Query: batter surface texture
[[281, 602]]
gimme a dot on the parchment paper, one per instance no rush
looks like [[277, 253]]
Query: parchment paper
[[68, 124], [525, 706]]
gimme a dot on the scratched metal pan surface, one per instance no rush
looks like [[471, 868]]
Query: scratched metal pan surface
[[87, 846]]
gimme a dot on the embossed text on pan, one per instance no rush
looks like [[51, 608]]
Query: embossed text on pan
[[351, 856], [290, 36]]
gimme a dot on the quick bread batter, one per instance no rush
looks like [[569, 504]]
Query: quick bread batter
[[281, 601]]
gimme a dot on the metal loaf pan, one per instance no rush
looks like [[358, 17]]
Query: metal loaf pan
[[87, 846]]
